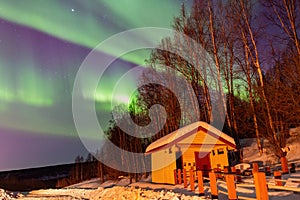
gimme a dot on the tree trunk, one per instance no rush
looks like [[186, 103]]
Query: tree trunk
[[217, 64], [256, 63], [248, 75]]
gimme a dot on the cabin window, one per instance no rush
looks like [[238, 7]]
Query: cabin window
[[213, 152], [220, 151]]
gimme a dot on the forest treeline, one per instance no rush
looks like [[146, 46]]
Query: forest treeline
[[89, 168], [251, 76]]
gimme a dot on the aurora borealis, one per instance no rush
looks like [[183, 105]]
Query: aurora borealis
[[42, 45]]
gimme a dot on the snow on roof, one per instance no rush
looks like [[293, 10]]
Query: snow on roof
[[186, 131]]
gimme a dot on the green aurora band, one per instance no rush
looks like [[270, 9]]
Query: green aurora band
[[35, 87], [91, 22]]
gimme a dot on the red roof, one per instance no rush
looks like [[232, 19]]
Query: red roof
[[189, 130]]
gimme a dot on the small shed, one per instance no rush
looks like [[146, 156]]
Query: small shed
[[199, 146]]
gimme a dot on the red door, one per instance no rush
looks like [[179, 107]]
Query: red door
[[202, 161]]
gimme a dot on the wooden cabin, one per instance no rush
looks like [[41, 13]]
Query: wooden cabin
[[199, 146]]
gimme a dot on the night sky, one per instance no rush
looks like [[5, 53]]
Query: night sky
[[42, 45]]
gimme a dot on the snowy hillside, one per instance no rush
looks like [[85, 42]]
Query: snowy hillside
[[251, 152]]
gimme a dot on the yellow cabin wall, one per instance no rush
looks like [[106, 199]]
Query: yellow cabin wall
[[216, 161], [201, 138], [188, 156], [219, 160], [193, 144], [163, 164]]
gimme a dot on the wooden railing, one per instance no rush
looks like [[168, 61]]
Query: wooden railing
[[234, 179]]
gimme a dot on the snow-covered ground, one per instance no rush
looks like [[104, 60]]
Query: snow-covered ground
[[251, 152], [120, 190]]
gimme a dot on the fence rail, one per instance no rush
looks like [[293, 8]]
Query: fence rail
[[233, 180]]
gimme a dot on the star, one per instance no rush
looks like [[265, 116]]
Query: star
[[72, 9]]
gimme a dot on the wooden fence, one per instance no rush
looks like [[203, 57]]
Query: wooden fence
[[233, 179]]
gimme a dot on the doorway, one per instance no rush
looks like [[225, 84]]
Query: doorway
[[179, 164], [202, 160]]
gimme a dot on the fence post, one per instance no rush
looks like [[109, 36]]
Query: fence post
[[226, 169], [255, 167], [293, 168], [277, 175], [231, 186], [179, 177], [233, 169], [192, 183], [175, 177], [184, 178], [213, 185], [268, 171], [284, 165], [260, 186], [238, 176], [200, 183], [217, 172]]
